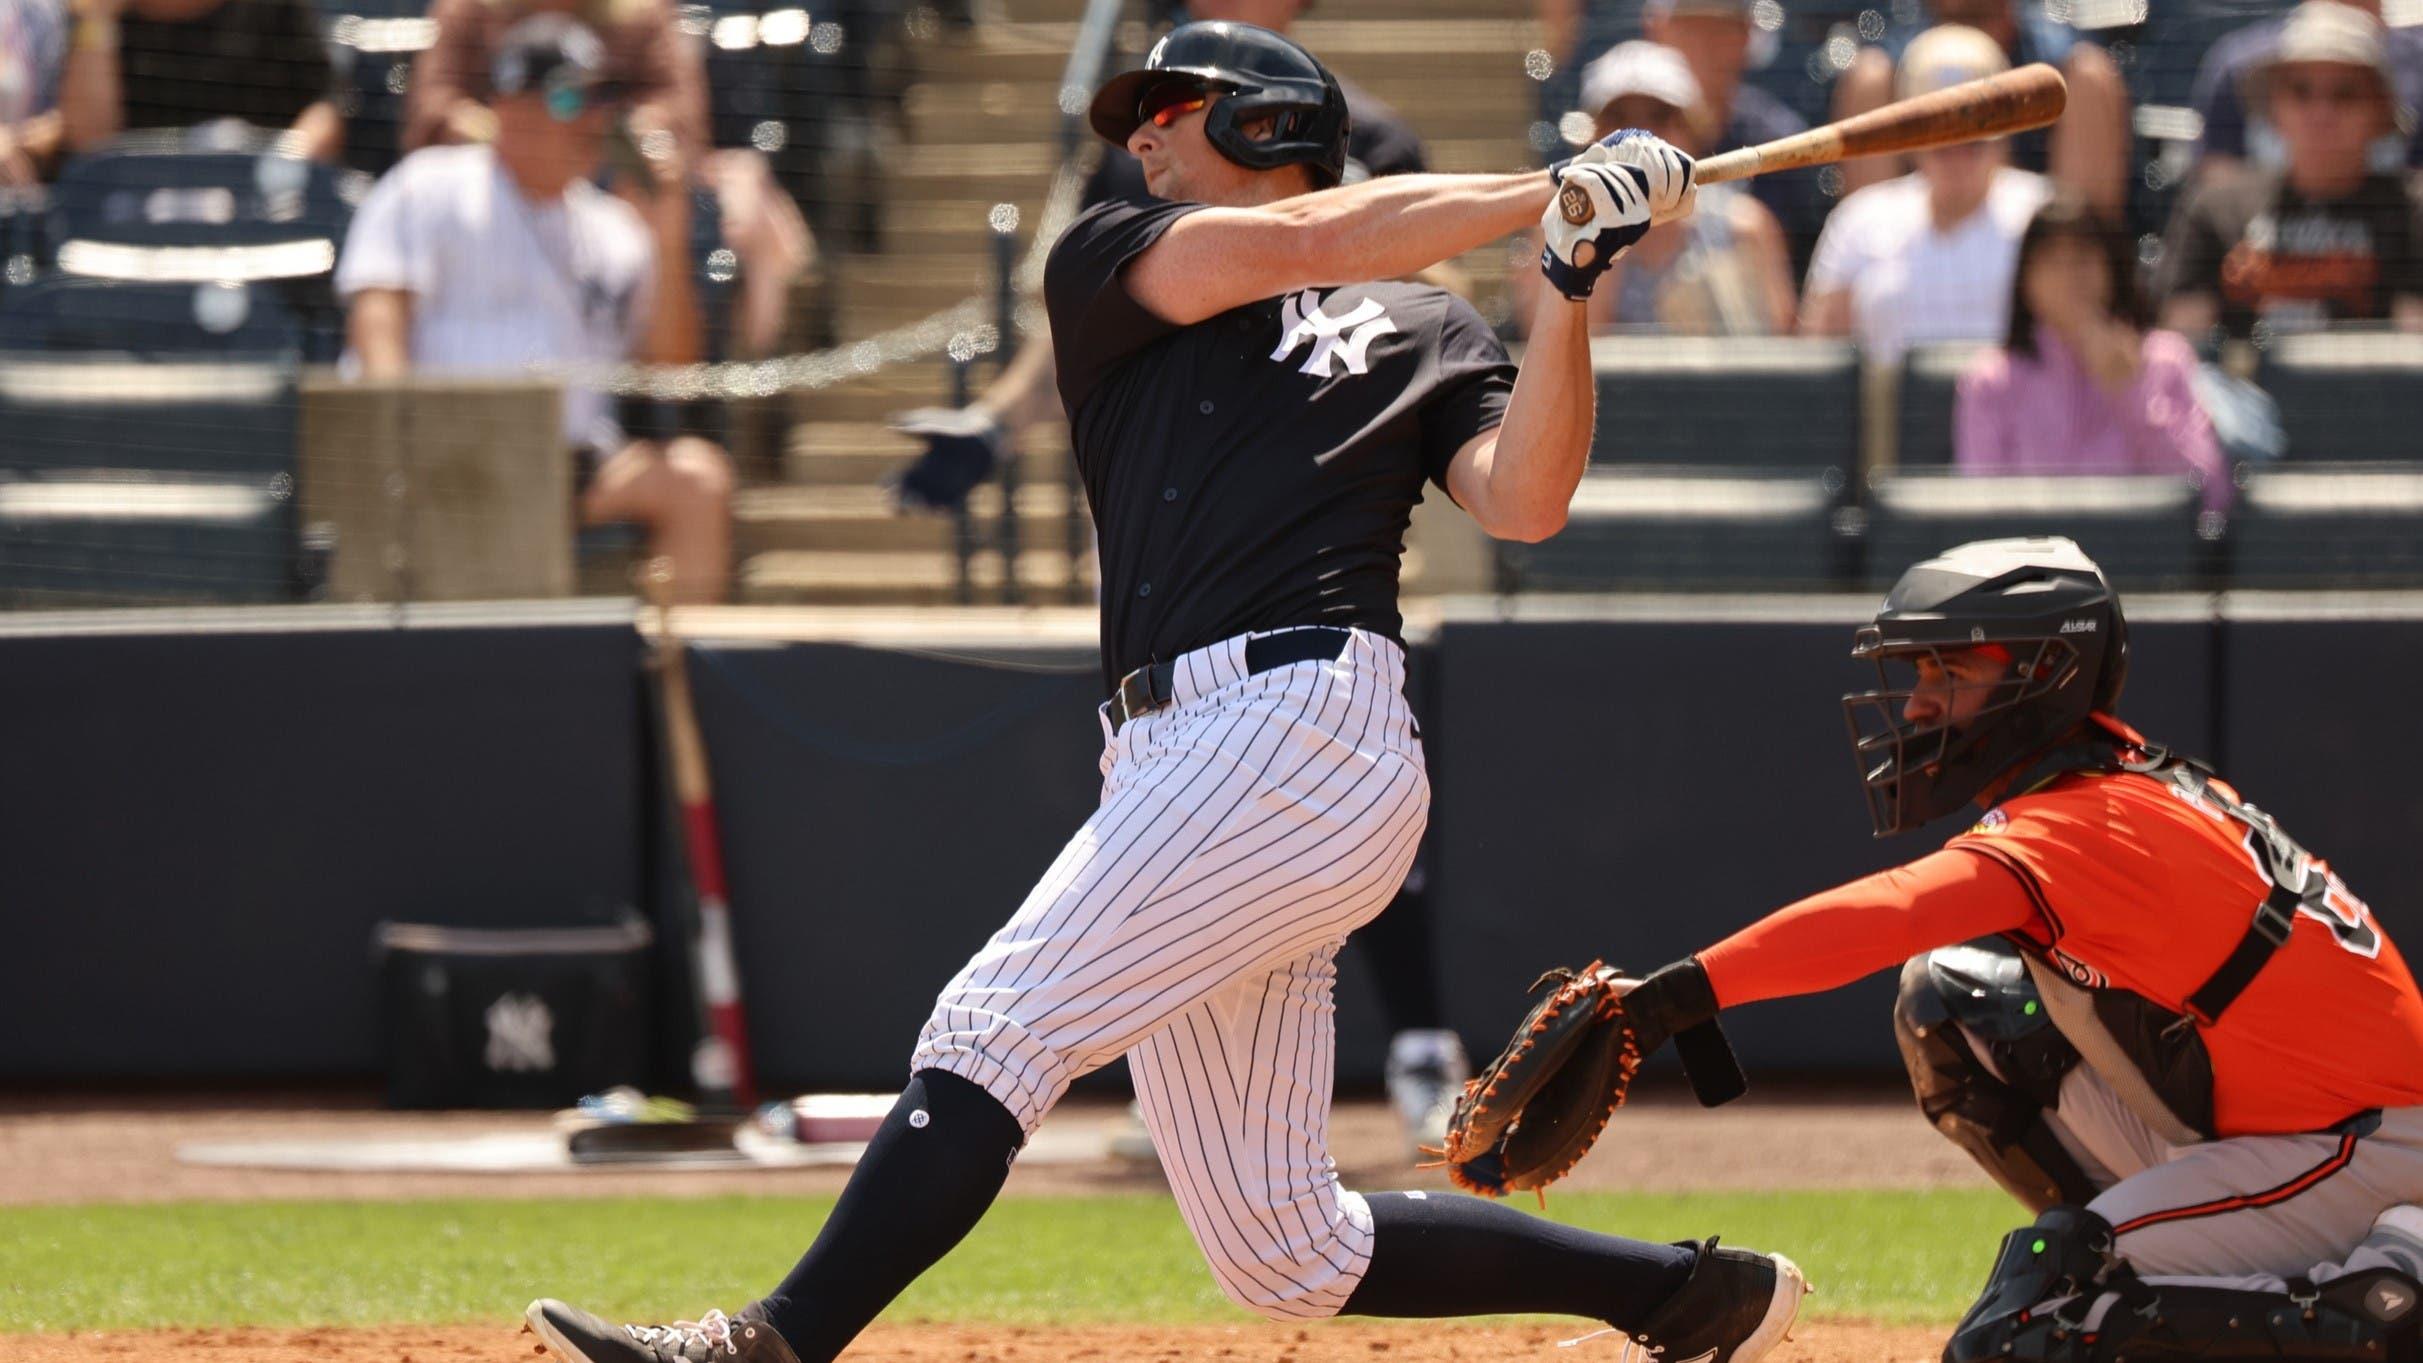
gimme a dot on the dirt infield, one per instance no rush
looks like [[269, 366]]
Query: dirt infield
[[60, 1150], [1336, 1342]]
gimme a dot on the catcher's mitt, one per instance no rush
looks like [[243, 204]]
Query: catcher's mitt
[[1524, 1121], [1536, 1110]]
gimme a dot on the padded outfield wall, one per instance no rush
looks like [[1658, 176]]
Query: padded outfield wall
[[202, 815]]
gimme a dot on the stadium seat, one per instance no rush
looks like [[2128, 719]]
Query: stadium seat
[[2346, 397], [1636, 529], [372, 52], [145, 481], [2328, 527], [68, 540], [2141, 529], [1710, 403], [187, 189], [1930, 382], [66, 315]]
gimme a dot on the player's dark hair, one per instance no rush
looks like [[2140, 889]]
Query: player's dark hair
[[2065, 215]]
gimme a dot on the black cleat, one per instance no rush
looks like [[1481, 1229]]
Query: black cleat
[[1737, 1305], [578, 1337]]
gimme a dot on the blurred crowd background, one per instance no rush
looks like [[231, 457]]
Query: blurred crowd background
[[367, 300]]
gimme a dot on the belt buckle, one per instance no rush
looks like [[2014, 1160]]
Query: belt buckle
[[1136, 697]]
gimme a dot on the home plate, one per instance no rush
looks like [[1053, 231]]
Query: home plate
[[545, 1152]]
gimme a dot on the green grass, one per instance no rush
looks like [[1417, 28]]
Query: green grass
[[1892, 1256]]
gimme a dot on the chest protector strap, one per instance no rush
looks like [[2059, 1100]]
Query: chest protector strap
[[2286, 865]]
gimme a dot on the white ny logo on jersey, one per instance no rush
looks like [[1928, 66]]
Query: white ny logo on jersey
[[1303, 319]]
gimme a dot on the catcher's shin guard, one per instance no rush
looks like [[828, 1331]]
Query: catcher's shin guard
[[1953, 995], [2065, 1257], [2366, 1317]]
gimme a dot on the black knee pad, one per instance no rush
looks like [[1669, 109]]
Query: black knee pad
[[2066, 1253], [1993, 1111]]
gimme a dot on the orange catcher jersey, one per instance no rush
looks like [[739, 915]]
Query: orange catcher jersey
[[2147, 885]]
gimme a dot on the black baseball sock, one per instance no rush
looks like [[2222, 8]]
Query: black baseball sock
[[933, 1168], [1441, 1254]]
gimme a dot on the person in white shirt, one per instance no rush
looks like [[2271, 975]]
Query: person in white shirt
[[1927, 256], [481, 258]]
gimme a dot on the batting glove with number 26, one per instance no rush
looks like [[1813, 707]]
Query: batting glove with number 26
[[1599, 211]]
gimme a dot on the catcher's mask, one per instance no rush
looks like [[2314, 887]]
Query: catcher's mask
[[2039, 607], [1257, 74]]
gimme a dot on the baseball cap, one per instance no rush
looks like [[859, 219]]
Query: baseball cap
[[1639, 68], [1947, 55], [2319, 31], [554, 55]]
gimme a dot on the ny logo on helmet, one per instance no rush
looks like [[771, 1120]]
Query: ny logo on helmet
[[1334, 339]]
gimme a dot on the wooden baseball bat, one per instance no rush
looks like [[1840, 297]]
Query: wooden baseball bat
[[719, 1062], [2012, 102]]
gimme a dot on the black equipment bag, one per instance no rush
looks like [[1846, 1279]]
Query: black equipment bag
[[530, 1017]]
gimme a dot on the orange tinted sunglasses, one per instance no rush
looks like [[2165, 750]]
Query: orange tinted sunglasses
[[1166, 106]]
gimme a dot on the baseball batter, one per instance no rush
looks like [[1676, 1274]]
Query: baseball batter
[[2189, 1047], [1255, 421]]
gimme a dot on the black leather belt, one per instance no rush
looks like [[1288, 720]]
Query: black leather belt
[[1150, 688]]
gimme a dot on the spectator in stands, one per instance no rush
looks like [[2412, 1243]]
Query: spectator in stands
[[137, 64], [1928, 256], [2079, 385], [1714, 38], [33, 46], [2231, 138], [1723, 271], [664, 73], [2324, 237], [500, 256], [666, 77], [2087, 152]]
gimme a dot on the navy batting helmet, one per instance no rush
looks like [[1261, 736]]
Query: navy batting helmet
[[1259, 74], [2055, 622]]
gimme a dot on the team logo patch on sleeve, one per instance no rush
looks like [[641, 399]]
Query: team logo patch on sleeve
[[1993, 822]]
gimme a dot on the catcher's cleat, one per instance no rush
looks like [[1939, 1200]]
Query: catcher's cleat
[[578, 1337], [1736, 1306]]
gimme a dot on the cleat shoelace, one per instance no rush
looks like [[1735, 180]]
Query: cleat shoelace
[[710, 1332]]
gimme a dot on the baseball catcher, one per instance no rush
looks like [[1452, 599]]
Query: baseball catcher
[[2174, 1034], [1256, 402]]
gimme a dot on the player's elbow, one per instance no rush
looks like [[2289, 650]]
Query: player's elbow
[[1524, 525]]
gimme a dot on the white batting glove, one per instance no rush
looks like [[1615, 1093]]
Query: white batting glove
[[1672, 194], [1599, 211]]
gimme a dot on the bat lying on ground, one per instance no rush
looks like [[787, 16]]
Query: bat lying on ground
[[2012, 102]]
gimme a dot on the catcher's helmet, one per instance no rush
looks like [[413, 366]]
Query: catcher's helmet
[[1260, 74], [2055, 618]]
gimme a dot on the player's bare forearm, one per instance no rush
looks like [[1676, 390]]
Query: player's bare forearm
[[378, 329], [1518, 481], [1220, 258]]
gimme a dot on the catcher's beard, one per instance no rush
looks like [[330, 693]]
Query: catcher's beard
[[1444, 1254]]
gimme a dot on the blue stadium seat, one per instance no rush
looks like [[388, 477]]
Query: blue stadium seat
[[2141, 529], [67, 315], [1930, 384], [146, 481], [2329, 527], [168, 189], [2347, 396], [1727, 403], [208, 416], [1649, 529], [75, 541], [372, 50]]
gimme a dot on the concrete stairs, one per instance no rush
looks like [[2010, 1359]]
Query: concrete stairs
[[980, 129]]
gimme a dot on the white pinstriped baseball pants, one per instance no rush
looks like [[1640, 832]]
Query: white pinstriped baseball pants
[[1192, 925]]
